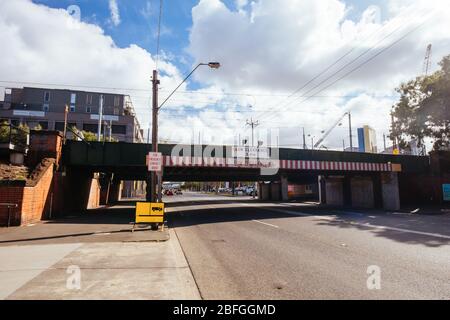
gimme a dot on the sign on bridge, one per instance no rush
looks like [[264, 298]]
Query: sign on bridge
[[154, 161], [250, 152]]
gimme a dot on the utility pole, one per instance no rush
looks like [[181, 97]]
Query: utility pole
[[350, 130], [100, 116], [155, 107], [343, 145], [384, 141], [110, 130], [304, 140], [253, 124], [66, 113], [395, 149]]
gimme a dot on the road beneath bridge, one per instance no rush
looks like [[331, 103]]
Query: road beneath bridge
[[249, 250], [222, 247]]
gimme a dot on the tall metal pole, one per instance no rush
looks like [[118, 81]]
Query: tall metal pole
[[253, 124], [155, 106], [66, 112], [304, 140], [110, 130], [350, 131], [100, 116]]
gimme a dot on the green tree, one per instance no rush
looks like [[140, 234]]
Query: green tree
[[18, 135], [423, 110]]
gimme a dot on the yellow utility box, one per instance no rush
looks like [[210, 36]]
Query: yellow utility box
[[147, 212]]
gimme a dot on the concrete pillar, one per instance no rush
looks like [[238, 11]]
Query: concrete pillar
[[347, 188], [275, 191], [77, 188], [114, 192], [362, 192], [334, 189], [263, 191], [284, 189], [390, 191], [377, 191]]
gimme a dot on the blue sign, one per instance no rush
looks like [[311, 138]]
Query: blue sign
[[446, 191]]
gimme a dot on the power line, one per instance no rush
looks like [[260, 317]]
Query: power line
[[358, 67], [344, 67], [159, 33]]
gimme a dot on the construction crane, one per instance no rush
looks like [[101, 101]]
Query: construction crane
[[327, 133], [427, 62]]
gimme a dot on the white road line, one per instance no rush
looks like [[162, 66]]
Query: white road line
[[367, 225], [267, 224]]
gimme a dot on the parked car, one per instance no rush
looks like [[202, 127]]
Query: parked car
[[169, 193], [179, 192]]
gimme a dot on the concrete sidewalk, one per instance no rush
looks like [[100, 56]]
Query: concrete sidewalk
[[107, 270]]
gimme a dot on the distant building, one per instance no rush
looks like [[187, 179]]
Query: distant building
[[354, 149], [367, 140], [46, 107]]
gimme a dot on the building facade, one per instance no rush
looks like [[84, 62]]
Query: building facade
[[45, 108], [367, 140]]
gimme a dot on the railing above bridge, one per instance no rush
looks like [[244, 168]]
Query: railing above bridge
[[122, 155]]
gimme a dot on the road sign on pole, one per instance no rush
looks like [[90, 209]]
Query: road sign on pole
[[154, 161]]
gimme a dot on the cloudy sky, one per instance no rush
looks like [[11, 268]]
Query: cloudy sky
[[290, 64]]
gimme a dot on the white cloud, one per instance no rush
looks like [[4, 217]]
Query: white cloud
[[115, 14], [273, 48], [47, 46], [266, 50]]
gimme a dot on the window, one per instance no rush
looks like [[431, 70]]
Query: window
[[90, 127], [47, 96], [59, 126], [46, 107], [116, 101], [88, 109], [117, 129], [44, 125], [73, 101], [89, 99], [116, 111]]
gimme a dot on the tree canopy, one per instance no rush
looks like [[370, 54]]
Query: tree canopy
[[423, 110]]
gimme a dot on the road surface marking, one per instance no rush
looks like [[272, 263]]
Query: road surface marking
[[267, 224], [329, 218]]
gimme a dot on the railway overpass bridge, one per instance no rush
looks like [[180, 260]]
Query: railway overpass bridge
[[342, 178]]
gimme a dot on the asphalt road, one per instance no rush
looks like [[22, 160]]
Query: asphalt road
[[240, 249]]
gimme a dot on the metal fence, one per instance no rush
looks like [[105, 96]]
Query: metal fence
[[10, 207]]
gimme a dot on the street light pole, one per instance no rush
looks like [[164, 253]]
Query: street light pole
[[253, 124], [151, 189], [350, 130], [151, 192]]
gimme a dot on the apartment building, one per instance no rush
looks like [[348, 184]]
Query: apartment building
[[46, 108]]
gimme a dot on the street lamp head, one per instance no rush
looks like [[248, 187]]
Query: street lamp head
[[214, 65]]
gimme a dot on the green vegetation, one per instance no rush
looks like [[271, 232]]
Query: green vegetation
[[18, 134], [424, 110]]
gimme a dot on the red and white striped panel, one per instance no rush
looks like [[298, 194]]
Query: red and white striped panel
[[175, 161]]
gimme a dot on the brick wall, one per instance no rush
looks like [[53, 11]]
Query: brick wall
[[12, 193], [36, 200], [94, 194], [44, 144], [33, 201]]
